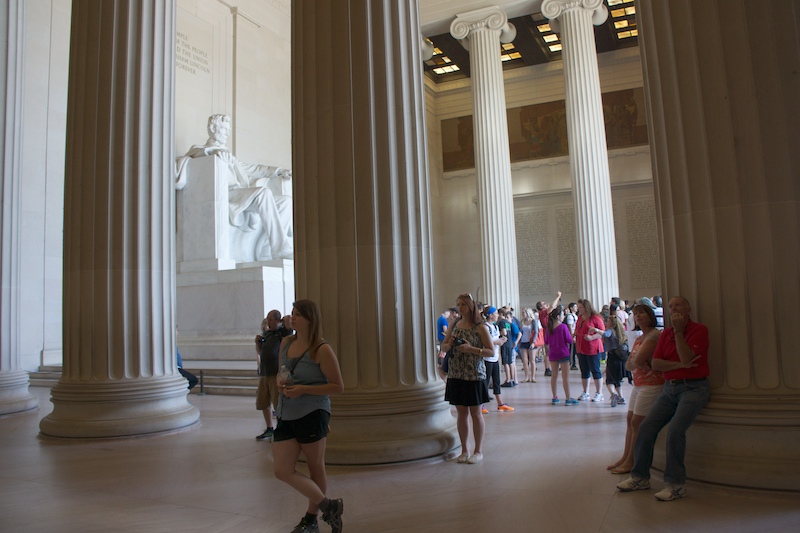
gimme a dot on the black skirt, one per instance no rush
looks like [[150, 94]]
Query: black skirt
[[463, 392]]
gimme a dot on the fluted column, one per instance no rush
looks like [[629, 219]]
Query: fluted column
[[588, 152], [14, 395], [120, 376], [721, 83], [362, 227], [482, 31]]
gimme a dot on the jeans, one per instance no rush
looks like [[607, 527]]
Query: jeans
[[677, 405], [590, 365]]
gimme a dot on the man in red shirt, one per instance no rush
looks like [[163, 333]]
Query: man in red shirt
[[682, 356]]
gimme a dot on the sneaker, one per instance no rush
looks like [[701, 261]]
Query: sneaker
[[306, 527], [598, 397], [583, 397], [555, 401], [506, 384], [514, 383], [571, 401], [633, 483], [267, 435], [573, 367], [614, 399], [672, 491], [505, 407], [484, 410], [548, 372], [333, 516], [620, 400]]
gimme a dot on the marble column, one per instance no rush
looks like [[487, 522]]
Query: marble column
[[721, 85], [588, 152], [14, 395], [481, 31], [362, 227], [120, 376]]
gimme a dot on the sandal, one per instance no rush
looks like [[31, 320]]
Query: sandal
[[463, 458], [476, 458]]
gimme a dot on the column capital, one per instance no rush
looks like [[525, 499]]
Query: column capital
[[426, 48], [552, 9], [490, 18]]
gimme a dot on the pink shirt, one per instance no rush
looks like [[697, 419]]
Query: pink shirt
[[559, 342], [645, 376]]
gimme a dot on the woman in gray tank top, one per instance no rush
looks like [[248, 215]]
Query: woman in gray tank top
[[309, 374]]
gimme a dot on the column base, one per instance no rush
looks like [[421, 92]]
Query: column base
[[123, 408], [14, 394], [390, 427], [741, 441]]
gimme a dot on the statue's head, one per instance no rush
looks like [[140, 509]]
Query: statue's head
[[219, 128]]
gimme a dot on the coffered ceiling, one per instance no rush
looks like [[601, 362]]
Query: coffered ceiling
[[535, 42]]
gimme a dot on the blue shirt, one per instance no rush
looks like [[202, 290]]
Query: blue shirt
[[440, 325]]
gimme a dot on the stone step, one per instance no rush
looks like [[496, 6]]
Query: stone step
[[43, 379], [225, 378]]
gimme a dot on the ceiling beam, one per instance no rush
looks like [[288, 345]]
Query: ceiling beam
[[529, 41]]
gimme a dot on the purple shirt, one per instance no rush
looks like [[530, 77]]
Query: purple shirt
[[559, 342]]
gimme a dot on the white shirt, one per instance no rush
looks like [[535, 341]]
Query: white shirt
[[623, 317], [494, 332]]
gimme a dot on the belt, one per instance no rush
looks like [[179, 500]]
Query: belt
[[679, 381]]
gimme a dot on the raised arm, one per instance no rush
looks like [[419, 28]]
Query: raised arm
[[556, 301]]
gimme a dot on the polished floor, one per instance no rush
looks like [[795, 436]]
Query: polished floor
[[544, 471]]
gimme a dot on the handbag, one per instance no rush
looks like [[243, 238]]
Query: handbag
[[451, 353]]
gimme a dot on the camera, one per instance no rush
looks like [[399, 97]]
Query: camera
[[458, 342]]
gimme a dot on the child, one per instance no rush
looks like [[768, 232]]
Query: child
[[613, 339], [559, 338]]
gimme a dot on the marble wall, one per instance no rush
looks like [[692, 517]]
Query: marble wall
[[234, 57], [41, 199]]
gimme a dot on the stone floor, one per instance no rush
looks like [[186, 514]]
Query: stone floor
[[544, 471]]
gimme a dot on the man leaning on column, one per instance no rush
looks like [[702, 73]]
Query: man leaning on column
[[682, 356]]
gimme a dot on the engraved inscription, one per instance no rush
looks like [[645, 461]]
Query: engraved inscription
[[191, 58], [533, 254], [640, 215]]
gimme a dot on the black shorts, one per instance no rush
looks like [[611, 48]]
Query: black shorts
[[308, 429]]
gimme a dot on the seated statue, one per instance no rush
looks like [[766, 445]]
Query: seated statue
[[254, 207]]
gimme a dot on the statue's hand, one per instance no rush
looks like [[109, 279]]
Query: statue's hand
[[222, 153], [285, 174]]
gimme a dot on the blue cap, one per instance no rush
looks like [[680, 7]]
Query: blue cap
[[646, 301]]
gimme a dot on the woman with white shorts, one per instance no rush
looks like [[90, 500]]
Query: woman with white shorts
[[647, 383]]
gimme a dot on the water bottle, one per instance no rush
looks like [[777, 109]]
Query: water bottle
[[286, 375]]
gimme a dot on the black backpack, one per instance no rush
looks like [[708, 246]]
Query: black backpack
[[622, 352]]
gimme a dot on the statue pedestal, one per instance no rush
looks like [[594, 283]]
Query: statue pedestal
[[220, 312], [221, 300]]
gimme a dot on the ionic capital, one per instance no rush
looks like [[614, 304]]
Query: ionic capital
[[489, 18], [426, 48], [552, 9]]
